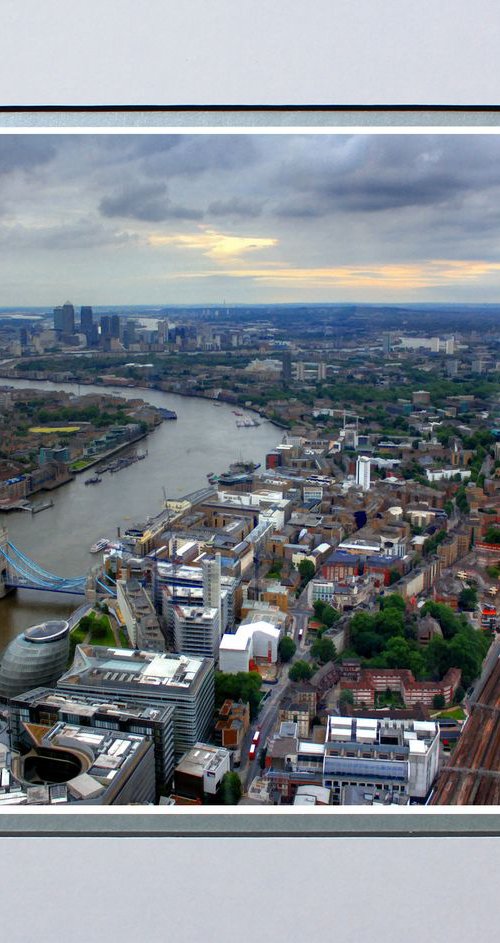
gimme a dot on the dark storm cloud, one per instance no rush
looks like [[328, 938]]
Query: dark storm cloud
[[235, 207], [82, 234], [148, 202], [175, 155], [25, 152], [388, 173]]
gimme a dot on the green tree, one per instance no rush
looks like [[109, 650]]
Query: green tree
[[369, 644], [438, 702], [437, 657], [390, 622], [330, 616], [393, 601], [397, 653], [286, 648], [492, 535], [244, 686], [307, 570], [300, 671], [230, 789], [323, 649], [448, 621], [417, 664], [346, 697], [319, 608], [467, 599]]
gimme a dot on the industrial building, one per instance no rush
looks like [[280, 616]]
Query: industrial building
[[186, 683], [38, 656], [49, 705]]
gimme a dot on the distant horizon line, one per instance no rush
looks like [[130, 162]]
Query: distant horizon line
[[261, 304]]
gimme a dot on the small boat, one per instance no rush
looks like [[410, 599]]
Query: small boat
[[95, 480], [99, 545]]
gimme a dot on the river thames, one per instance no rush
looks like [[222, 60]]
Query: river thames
[[181, 454]]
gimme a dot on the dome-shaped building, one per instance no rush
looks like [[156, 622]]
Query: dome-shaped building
[[36, 657]]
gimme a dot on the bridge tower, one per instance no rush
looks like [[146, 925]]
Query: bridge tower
[[90, 587], [4, 566]]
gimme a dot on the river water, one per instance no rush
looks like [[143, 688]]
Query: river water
[[181, 453]]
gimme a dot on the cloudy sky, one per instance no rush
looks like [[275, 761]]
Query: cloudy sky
[[166, 219]]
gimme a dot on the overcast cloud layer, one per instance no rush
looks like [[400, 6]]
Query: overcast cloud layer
[[166, 219]]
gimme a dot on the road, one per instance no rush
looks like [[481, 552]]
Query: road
[[266, 721]]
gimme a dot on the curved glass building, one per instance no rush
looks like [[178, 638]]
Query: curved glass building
[[38, 656]]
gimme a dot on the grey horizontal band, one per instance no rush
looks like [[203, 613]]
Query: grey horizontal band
[[228, 825], [252, 119]]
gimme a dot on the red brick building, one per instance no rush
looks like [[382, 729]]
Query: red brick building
[[401, 680]]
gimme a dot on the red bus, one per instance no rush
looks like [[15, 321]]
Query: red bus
[[251, 752], [256, 737]]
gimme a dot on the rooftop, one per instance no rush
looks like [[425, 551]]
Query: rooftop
[[201, 759], [98, 665]]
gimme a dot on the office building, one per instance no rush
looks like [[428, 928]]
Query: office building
[[68, 318], [200, 772], [86, 322], [363, 472], [68, 764], [105, 326], [186, 683], [38, 656], [58, 320], [139, 615], [48, 706], [393, 756], [191, 585], [211, 584], [197, 631]]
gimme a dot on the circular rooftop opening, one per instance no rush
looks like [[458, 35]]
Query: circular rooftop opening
[[47, 631], [46, 766]]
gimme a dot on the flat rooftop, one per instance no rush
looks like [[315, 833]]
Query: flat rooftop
[[201, 759], [98, 665], [87, 705], [104, 759]]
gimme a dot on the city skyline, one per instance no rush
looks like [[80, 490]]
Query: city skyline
[[255, 218]]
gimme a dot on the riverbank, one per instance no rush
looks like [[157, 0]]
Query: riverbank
[[180, 456], [118, 448], [185, 394]]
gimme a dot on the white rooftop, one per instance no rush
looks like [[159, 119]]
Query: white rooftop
[[241, 638]]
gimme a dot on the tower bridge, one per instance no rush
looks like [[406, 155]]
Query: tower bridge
[[18, 571]]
